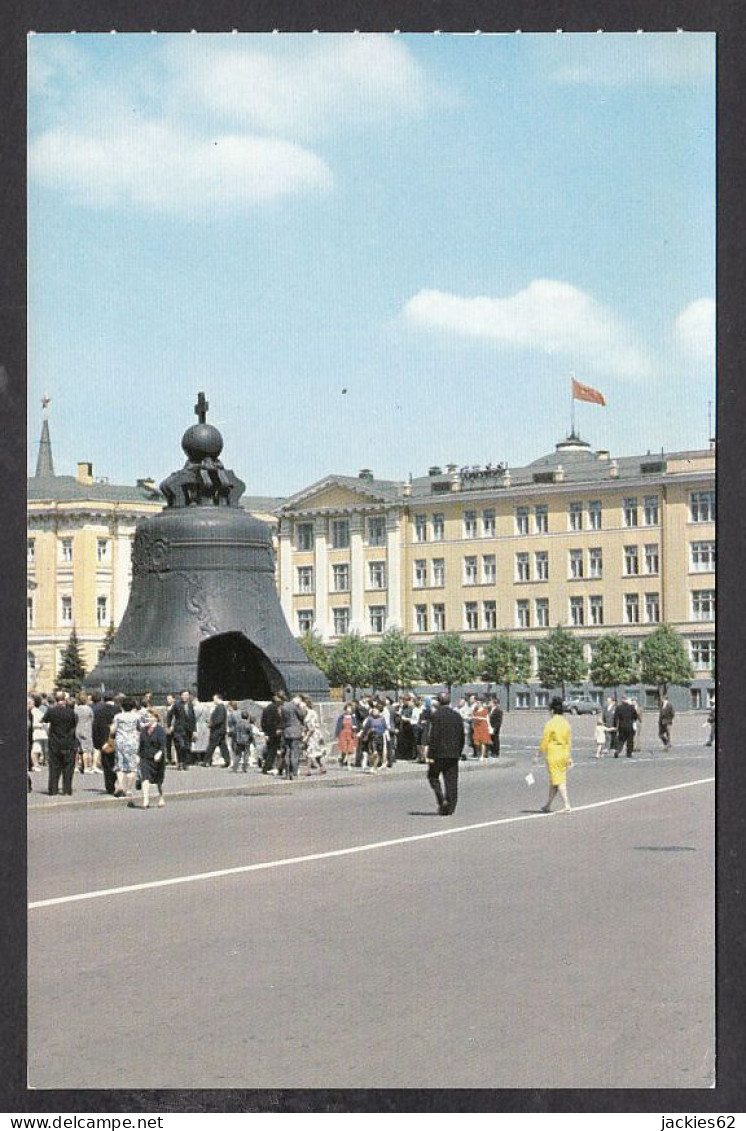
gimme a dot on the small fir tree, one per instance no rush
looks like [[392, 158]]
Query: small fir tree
[[506, 661], [447, 660], [315, 649], [394, 661], [349, 662], [72, 669], [614, 662], [664, 660], [560, 659]]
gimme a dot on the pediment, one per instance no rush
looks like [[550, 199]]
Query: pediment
[[332, 495]]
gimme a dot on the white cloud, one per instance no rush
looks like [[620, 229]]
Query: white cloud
[[623, 59], [551, 316], [695, 330], [168, 169]]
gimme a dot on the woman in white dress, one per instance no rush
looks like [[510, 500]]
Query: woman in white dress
[[202, 731], [84, 731], [125, 730]]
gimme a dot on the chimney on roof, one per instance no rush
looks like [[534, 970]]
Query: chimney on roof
[[366, 474], [433, 472], [85, 473], [602, 453], [614, 469], [559, 474]]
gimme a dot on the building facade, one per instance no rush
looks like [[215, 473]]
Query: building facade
[[575, 538]]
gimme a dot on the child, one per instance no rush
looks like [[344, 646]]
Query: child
[[241, 738], [600, 735]]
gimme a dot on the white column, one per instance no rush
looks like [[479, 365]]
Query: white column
[[286, 571], [358, 621], [321, 578], [393, 571], [120, 571]]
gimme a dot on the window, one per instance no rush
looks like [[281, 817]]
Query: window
[[439, 527], [420, 528], [650, 510], [703, 654], [541, 518], [522, 614], [66, 610], [341, 620], [471, 616], [541, 699], [439, 572], [439, 618], [522, 571], [631, 608], [305, 620], [702, 506], [521, 520], [420, 573], [631, 561], [630, 512], [66, 549], [541, 565], [522, 700], [470, 571], [102, 549], [703, 604], [377, 575], [377, 615], [541, 610], [102, 611], [651, 558], [340, 533], [488, 523], [596, 607], [575, 516], [489, 569], [703, 557], [304, 535], [377, 531], [30, 549], [595, 562], [420, 617], [695, 698], [470, 524], [341, 578], [489, 615], [29, 612], [594, 514], [577, 616], [305, 579], [575, 564], [652, 608]]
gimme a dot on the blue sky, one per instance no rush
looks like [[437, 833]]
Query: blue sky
[[382, 251]]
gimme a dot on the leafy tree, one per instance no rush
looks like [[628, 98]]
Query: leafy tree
[[447, 660], [560, 659], [614, 661], [506, 661], [72, 669], [664, 659], [394, 661], [349, 662], [110, 634], [315, 649]]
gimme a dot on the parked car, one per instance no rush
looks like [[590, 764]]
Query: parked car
[[580, 705]]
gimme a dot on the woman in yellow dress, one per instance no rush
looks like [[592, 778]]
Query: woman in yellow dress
[[555, 745]]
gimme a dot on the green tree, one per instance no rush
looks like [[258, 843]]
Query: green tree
[[110, 634], [315, 649], [614, 662], [394, 661], [349, 662], [447, 660], [72, 669], [506, 661], [560, 659], [664, 660]]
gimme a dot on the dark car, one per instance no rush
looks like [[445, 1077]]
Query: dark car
[[580, 705]]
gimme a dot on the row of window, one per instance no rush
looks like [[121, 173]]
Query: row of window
[[340, 577], [374, 533], [65, 550], [103, 616]]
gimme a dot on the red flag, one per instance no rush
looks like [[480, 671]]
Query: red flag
[[586, 393]]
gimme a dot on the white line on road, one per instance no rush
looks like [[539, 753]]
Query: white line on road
[[265, 865]]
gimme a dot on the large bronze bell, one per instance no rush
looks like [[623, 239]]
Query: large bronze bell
[[203, 613]]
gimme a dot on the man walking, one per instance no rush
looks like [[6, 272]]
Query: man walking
[[446, 743], [182, 723], [665, 721], [496, 722], [103, 715], [218, 731], [609, 712], [271, 724], [293, 714], [625, 717], [63, 745]]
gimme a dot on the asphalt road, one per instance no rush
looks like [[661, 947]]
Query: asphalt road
[[507, 950]]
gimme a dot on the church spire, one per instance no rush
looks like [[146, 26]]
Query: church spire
[[44, 464]]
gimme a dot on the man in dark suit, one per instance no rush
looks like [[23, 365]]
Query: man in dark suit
[[293, 714], [182, 723], [444, 751], [271, 725], [218, 731], [63, 744], [625, 716], [496, 721], [103, 714], [665, 720]]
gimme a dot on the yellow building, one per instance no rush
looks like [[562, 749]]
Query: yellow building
[[575, 538], [79, 541]]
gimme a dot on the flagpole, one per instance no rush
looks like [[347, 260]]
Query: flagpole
[[572, 409]]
